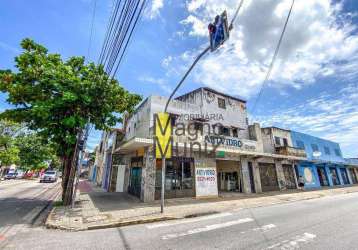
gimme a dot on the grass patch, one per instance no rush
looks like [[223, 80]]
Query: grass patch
[[57, 204]]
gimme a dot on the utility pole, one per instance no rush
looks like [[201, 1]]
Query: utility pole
[[218, 33], [82, 148]]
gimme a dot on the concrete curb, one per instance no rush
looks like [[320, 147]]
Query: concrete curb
[[131, 222]]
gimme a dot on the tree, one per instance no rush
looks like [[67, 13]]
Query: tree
[[9, 153], [57, 98], [34, 151]]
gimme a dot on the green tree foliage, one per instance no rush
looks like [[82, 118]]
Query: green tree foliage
[[34, 151], [57, 98], [9, 153]]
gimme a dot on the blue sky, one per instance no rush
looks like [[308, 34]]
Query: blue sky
[[313, 87]]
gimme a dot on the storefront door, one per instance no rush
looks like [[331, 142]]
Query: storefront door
[[354, 176], [334, 175], [268, 177], [323, 180], [178, 178], [228, 176], [344, 176], [135, 181], [289, 176]]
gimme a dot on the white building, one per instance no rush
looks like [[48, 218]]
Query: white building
[[242, 162]]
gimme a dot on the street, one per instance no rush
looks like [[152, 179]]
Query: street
[[324, 223], [21, 202]]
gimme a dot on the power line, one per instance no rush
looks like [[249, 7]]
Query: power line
[[109, 30], [91, 32], [273, 58], [119, 33], [129, 38]]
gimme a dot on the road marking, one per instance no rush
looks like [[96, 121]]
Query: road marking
[[294, 242], [207, 228], [183, 221], [32, 214], [263, 228]]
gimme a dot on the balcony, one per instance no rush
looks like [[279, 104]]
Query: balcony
[[286, 150]]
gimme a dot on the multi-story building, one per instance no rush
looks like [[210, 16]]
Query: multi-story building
[[203, 120], [325, 165]]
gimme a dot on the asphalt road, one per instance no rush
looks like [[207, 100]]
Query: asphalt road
[[325, 223], [21, 204]]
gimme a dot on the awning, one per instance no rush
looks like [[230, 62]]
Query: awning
[[136, 143]]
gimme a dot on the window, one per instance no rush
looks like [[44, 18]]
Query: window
[[173, 119], [327, 151], [314, 147], [198, 126], [224, 131], [300, 144], [285, 143], [277, 141], [221, 103], [337, 152], [235, 133]]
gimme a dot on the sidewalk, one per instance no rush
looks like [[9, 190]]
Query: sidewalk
[[97, 209]]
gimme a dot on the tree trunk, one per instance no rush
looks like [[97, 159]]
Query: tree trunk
[[65, 170], [68, 192]]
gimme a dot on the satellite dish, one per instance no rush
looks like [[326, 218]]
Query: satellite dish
[[317, 153]]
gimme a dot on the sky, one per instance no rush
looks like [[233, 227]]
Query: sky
[[313, 87]]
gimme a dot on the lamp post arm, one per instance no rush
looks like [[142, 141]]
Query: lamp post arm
[[185, 76]]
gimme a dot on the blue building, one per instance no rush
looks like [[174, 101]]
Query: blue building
[[325, 165]]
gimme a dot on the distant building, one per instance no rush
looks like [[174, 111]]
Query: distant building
[[325, 165]]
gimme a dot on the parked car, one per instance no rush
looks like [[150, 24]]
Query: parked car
[[49, 176], [10, 176], [28, 175], [19, 174]]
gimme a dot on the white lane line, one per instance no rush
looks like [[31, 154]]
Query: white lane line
[[183, 221], [32, 214], [207, 228], [294, 243], [263, 228]]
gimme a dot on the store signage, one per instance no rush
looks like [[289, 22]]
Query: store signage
[[205, 180], [229, 141], [217, 140]]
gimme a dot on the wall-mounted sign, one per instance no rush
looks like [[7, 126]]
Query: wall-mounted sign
[[205, 180], [317, 154], [230, 141]]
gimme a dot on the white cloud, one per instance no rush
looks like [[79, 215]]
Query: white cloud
[[334, 117], [318, 42], [154, 8], [162, 83]]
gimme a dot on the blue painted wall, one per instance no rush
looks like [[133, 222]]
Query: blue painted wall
[[308, 140], [314, 181], [326, 160]]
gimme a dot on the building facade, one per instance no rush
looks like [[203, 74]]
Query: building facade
[[214, 150], [325, 165]]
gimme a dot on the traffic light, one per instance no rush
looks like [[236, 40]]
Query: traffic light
[[218, 31]]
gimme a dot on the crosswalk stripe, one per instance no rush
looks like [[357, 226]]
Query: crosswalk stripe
[[184, 221], [207, 228]]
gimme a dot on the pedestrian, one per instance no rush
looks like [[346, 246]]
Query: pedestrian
[[301, 183]]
